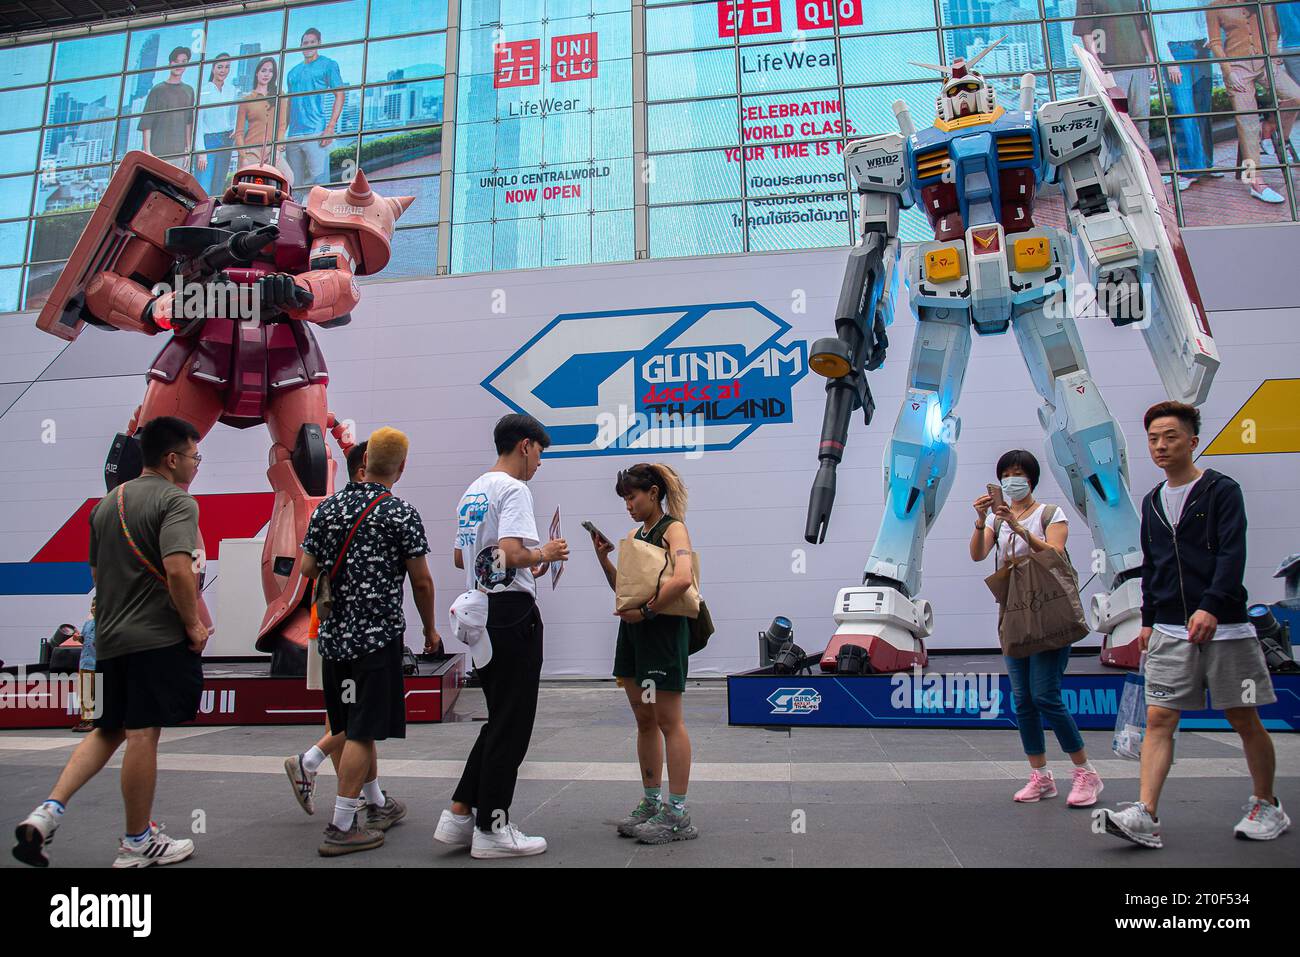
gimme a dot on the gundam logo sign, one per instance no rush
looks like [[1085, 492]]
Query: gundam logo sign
[[794, 700], [678, 379]]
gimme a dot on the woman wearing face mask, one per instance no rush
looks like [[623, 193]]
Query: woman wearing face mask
[[650, 660], [1023, 526]]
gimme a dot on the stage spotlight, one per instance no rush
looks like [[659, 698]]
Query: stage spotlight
[[1274, 639], [852, 660], [789, 660], [770, 642]]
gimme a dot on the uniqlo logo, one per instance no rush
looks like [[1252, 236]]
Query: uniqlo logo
[[517, 63], [820, 14], [573, 57], [749, 17]]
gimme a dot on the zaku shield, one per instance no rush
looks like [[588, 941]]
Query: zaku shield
[[1174, 322], [125, 235]]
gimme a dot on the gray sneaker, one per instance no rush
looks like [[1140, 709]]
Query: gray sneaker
[[337, 843], [1133, 822], [382, 818], [303, 781], [640, 814], [665, 827]]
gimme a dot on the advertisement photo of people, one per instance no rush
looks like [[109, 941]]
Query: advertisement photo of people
[[663, 436]]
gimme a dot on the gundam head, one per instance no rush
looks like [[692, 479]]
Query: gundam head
[[965, 92], [259, 185]]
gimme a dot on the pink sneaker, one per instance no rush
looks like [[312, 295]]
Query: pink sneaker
[[1087, 785], [1041, 785]]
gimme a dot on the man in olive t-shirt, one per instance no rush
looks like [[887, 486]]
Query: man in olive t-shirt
[[1123, 44], [143, 538], [135, 610], [169, 119]]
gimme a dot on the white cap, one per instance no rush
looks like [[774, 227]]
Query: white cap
[[468, 617]]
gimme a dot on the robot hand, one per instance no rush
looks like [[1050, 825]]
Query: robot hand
[[158, 312], [1120, 296], [280, 293]]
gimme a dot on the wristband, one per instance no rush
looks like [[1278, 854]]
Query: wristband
[[646, 613]]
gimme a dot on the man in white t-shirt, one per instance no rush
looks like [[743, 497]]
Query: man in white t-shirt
[[497, 545], [1195, 630]]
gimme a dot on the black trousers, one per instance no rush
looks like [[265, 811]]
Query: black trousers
[[510, 682]]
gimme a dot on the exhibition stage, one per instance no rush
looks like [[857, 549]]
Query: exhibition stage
[[955, 690], [234, 693]]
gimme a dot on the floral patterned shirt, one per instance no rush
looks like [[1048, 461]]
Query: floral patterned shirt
[[367, 591]]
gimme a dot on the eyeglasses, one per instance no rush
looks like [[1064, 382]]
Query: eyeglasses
[[197, 458]]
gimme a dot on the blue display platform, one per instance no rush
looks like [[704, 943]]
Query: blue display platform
[[958, 690]]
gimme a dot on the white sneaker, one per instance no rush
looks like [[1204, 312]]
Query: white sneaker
[[1263, 821], [34, 835], [454, 832], [1133, 822], [1266, 195], [159, 849], [507, 842]]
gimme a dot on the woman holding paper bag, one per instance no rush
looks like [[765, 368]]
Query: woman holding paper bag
[[1023, 526], [652, 653]]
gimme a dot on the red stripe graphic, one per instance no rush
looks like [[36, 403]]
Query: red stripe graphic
[[227, 515]]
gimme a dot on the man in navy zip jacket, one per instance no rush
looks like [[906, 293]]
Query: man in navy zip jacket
[[1195, 630]]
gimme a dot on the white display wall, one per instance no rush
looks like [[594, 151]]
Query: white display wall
[[418, 353]]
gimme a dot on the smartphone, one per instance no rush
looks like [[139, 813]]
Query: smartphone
[[995, 493], [597, 532]]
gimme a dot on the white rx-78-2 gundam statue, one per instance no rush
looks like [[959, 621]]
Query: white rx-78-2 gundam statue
[[989, 267]]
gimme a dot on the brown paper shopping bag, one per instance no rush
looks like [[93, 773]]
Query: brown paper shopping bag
[[1041, 610], [640, 566]]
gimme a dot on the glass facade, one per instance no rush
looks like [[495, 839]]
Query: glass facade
[[582, 135], [318, 90]]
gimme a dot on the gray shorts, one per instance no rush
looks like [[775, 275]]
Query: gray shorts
[[1233, 671]]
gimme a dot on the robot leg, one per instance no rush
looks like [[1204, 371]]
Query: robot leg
[[881, 614], [1089, 457], [196, 403], [301, 474]]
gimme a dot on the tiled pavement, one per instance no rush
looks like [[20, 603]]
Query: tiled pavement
[[928, 798]]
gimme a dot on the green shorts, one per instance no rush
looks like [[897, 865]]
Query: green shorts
[[657, 651]]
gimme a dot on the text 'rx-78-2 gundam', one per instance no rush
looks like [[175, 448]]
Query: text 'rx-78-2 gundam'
[[990, 268]]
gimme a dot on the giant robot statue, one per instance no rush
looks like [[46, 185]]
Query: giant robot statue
[[238, 280], [990, 268]]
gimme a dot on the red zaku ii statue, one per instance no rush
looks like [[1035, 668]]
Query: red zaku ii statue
[[238, 280]]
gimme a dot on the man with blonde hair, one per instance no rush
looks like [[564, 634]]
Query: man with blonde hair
[[368, 541]]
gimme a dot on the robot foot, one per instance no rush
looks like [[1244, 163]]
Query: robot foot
[[1118, 616], [287, 644], [889, 627]]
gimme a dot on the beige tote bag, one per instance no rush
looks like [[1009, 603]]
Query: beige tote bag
[[642, 569]]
